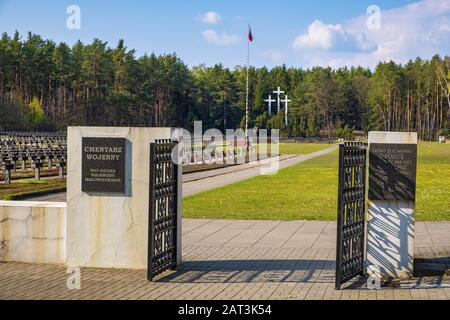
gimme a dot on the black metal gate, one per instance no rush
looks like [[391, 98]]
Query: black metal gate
[[162, 241], [351, 211]]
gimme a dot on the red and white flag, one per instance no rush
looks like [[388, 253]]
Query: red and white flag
[[250, 34]]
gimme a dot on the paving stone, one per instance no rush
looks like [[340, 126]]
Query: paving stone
[[242, 260]]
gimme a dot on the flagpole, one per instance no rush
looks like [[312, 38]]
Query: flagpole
[[247, 92]]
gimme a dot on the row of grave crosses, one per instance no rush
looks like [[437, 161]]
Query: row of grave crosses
[[286, 101]]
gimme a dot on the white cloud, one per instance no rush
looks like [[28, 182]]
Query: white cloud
[[210, 17], [333, 37], [444, 28], [225, 39], [443, 25], [275, 56], [418, 29]]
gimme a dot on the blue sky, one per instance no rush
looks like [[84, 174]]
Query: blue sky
[[298, 33]]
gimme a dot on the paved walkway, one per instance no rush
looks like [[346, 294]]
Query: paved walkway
[[194, 183], [225, 259], [239, 173]]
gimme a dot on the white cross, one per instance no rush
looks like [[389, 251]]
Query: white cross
[[286, 102], [278, 92], [269, 101]]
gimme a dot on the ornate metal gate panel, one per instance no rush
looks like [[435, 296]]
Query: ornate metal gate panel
[[351, 211], [162, 241]]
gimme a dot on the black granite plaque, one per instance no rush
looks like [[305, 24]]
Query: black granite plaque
[[103, 165], [392, 171]]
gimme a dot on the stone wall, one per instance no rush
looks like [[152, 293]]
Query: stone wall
[[33, 232], [111, 230], [103, 230]]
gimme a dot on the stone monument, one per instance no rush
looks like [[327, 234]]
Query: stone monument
[[391, 209], [108, 189]]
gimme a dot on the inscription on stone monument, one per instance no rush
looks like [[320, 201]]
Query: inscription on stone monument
[[392, 171], [103, 165]]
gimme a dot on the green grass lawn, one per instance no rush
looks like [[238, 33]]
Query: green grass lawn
[[308, 191], [22, 187], [302, 148], [433, 182]]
